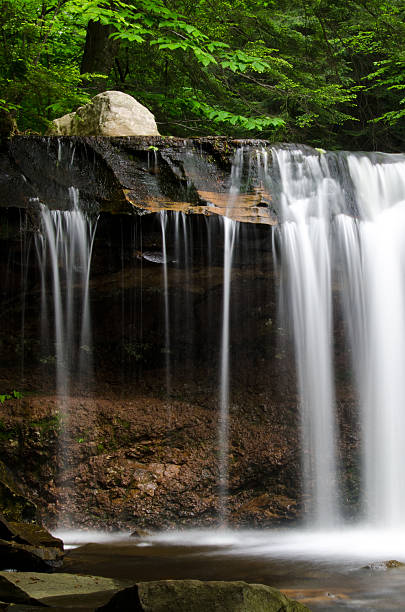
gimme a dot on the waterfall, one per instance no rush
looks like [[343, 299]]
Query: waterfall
[[66, 241], [230, 229], [24, 258], [375, 287], [163, 224], [188, 264], [230, 233], [323, 243], [306, 188], [340, 257]]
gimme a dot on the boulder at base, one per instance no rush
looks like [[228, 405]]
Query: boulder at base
[[25, 557], [197, 596], [111, 113], [26, 547], [68, 590], [33, 535]]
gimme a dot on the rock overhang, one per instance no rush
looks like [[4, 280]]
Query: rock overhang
[[136, 174]]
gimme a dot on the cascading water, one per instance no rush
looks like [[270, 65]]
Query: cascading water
[[187, 262], [306, 191], [66, 238], [375, 289], [339, 252], [163, 224], [230, 231], [230, 234], [341, 221], [66, 241], [25, 254], [321, 239]]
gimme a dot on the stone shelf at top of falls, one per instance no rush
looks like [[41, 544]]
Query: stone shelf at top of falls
[[139, 174]]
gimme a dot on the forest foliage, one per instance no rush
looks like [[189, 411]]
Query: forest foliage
[[331, 74]]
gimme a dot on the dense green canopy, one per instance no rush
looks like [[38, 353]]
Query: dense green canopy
[[331, 74]]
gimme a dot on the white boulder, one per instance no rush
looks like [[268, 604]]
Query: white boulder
[[111, 113]]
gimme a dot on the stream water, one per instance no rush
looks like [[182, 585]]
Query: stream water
[[326, 570]]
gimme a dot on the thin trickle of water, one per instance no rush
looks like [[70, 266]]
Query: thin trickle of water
[[176, 216], [188, 263], [273, 247], [236, 177], [230, 232], [25, 255], [72, 158], [163, 226], [66, 242], [140, 238]]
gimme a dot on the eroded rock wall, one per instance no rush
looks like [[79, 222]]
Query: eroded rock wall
[[137, 453]]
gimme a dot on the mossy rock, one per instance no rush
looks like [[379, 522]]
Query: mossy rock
[[13, 593], [384, 565], [35, 535], [198, 596], [26, 547], [58, 591], [14, 505]]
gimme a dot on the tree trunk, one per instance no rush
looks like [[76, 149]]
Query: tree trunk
[[99, 53]]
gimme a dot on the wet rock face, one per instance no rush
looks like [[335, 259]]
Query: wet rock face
[[111, 113], [135, 175], [137, 455], [14, 505], [129, 466]]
